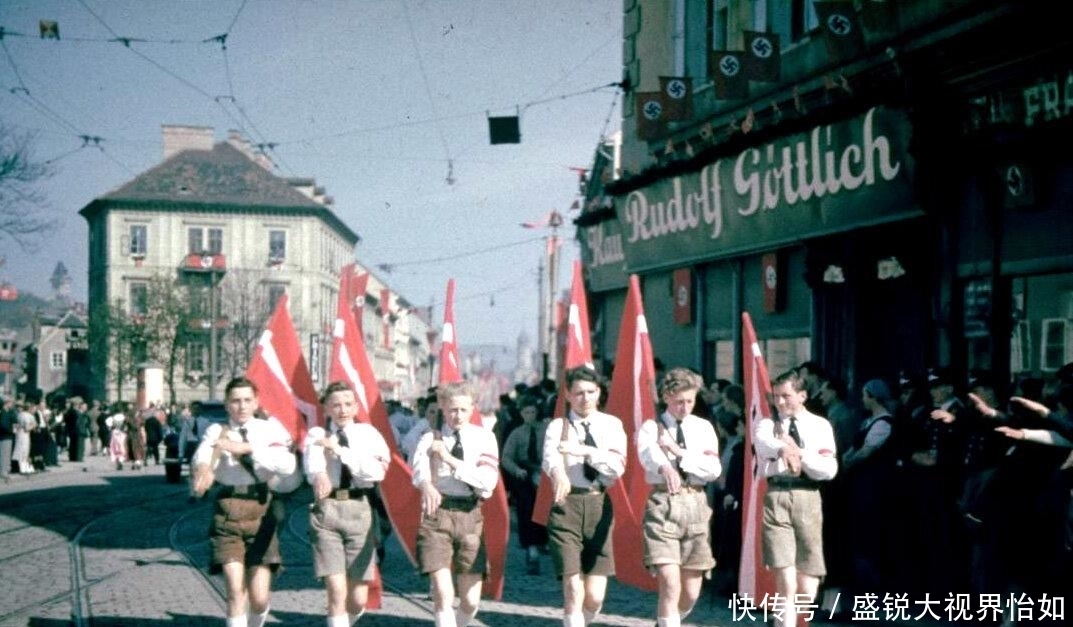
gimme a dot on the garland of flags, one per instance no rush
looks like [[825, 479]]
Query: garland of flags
[[760, 60]]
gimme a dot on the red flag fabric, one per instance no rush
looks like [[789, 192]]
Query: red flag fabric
[[359, 282], [578, 353], [450, 369], [285, 387], [753, 579], [632, 398], [496, 511], [350, 363]]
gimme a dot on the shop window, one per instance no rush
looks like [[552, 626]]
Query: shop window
[[1021, 348], [1056, 345], [783, 355]]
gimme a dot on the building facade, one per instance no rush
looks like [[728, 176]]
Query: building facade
[[212, 233], [892, 198]]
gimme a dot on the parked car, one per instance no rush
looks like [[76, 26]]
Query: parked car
[[182, 439]]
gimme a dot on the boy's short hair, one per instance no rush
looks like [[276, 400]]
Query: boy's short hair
[[793, 377], [680, 380], [582, 373], [239, 382], [450, 390], [333, 387]]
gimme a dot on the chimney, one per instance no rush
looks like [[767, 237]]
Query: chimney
[[178, 138]]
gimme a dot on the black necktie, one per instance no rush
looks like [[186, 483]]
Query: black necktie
[[680, 440], [344, 470], [531, 453], [590, 473], [247, 459], [794, 433], [456, 450]]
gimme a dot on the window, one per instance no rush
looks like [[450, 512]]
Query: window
[[1056, 346], [275, 291], [196, 357], [139, 298], [139, 240], [57, 360], [277, 245], [205, 240], [701, 27], [791, 21]]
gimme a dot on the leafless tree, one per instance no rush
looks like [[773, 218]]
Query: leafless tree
[[23, 217], [244, 300]]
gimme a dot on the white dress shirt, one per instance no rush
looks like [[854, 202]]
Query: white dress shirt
[[609, 458], [818, 460], [701, 459], [478, 473], [366, 455], [272, 455]]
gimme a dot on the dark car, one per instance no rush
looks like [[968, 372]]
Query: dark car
[[183, 438]]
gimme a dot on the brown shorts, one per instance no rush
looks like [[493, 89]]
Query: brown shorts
[[579, 535], [242, 532], [676, 529], [452, 538], [793, 530], [344, 535]]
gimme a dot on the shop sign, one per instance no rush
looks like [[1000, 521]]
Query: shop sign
[[603, 255], [831, 179], [1045, 99]]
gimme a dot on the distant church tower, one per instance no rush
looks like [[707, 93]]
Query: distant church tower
[[524, 371]]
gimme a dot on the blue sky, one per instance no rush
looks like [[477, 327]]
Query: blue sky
[[378, 100]]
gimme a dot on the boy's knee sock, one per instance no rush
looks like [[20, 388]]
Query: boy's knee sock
[[258, 620], [445, 618]]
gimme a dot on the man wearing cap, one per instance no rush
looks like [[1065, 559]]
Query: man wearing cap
[[343, 463], [939, 468], [680, 455], [796, 451], [584, 452]]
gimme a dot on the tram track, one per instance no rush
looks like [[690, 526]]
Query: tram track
[[77, 579], [157, 529]]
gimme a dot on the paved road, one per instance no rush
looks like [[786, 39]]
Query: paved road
[[87, 545]]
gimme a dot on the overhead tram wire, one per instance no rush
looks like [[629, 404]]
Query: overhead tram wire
[[260, 140], [442, 118], [36, 103], [126, 43], [388, 267], [428, 91]]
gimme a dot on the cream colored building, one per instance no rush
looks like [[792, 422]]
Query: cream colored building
[[212, 214]]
